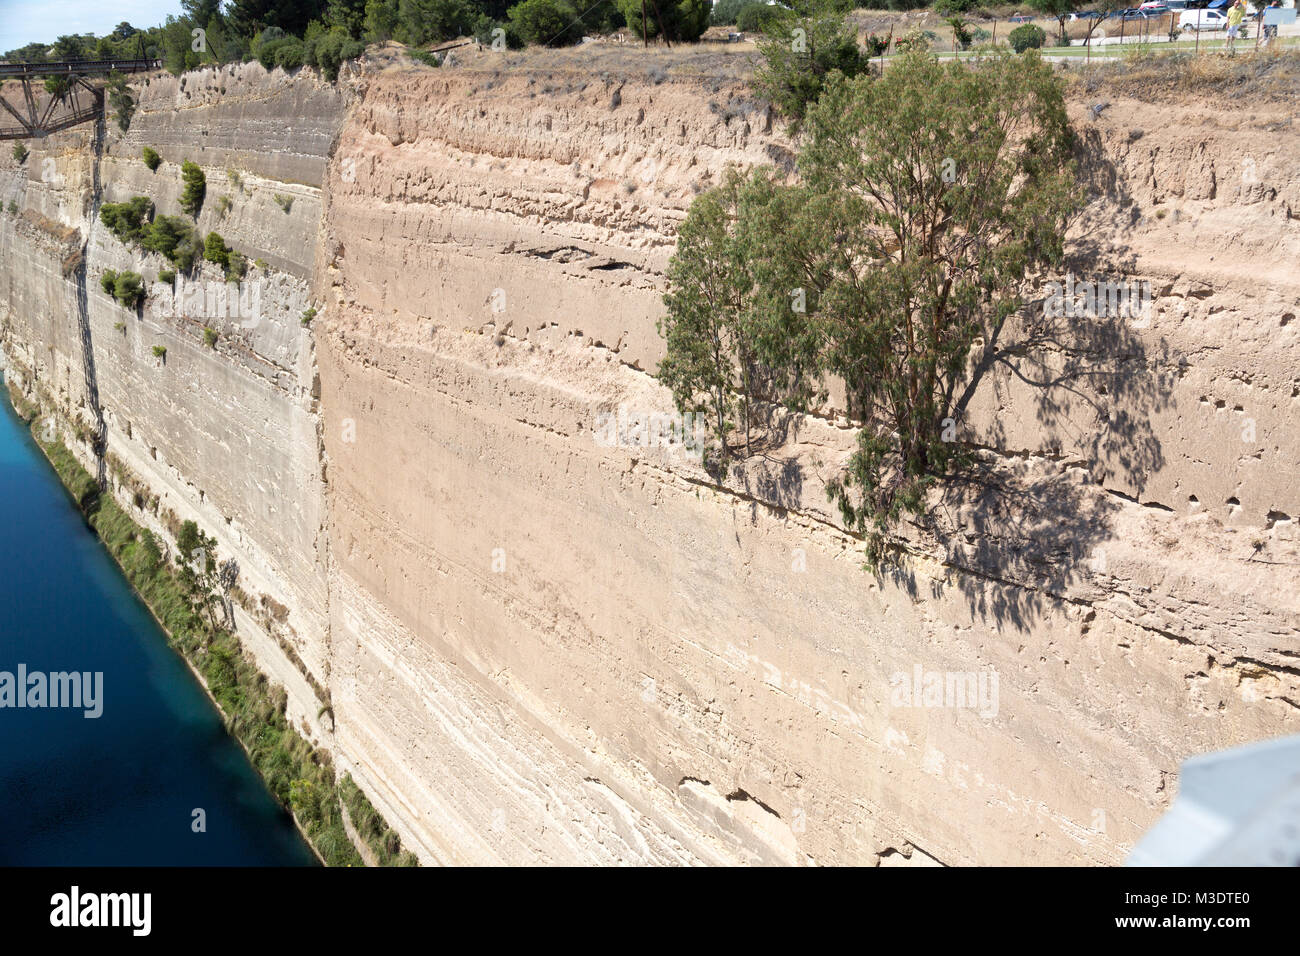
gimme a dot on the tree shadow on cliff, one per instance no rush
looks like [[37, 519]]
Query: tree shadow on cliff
[[762, 473], [1031, 518]]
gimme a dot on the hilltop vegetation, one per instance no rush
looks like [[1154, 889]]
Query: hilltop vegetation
[[325, 33]]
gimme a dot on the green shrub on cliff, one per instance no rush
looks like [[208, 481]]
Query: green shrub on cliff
[[216, 250], [127, 221], [425, 57], [120, 100], [273, 47], [151, 158], [290, 55], [20, 153], [13, 208], [175, 238], [128, 289], [167, 276], [233, 263], [210, 337], [236, 266], [265, 44], [327, 51], [195, 187]]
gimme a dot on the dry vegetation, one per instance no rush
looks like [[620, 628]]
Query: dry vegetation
[[1142, 72], [625, 61], [1246, 78]]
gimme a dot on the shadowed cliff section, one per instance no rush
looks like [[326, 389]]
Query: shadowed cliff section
[[99, 441]]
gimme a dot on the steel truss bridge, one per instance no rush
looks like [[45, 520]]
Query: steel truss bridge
[[84, 100]]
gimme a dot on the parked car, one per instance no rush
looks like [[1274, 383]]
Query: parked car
[[1018, 18], [1154, 7], [1086, 15], [1193, 21], [1132, 14]]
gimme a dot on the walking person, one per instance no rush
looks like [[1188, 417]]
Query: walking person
[[1235, 16], [1269, 31]]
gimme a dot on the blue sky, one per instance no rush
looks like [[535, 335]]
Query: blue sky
[[26, 21]]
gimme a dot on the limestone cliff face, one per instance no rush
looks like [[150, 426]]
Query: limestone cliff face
[[223, 434], [716, 658], [541, 645]]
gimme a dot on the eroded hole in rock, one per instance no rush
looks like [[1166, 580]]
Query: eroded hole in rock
[[736, 795], [1274, 517]]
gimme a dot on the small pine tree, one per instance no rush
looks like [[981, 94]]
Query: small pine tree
[[194, 189], [216, 250]]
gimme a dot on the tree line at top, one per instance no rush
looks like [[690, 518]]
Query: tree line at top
[[323, 33]]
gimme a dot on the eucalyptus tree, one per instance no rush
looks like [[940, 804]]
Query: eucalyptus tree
[[926, 198]]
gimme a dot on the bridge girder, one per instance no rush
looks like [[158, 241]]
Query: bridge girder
[[38, 123]]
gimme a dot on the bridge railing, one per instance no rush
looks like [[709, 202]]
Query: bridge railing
[[83, 67]]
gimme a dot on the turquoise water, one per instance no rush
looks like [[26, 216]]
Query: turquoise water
[[119, 789]]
